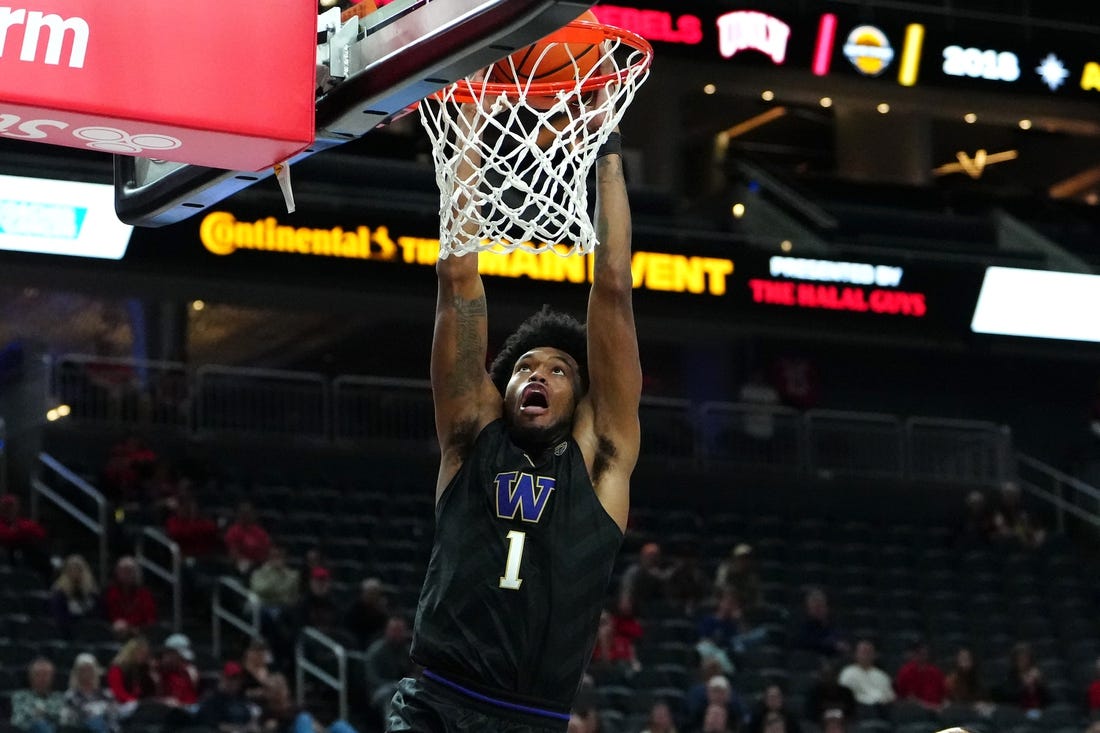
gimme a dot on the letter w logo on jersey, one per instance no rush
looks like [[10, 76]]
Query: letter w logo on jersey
[[523, 494]]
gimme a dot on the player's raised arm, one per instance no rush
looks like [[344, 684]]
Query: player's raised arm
[[464, 396], [615, 373]]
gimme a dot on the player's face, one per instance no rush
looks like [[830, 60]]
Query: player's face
[[541, 396]]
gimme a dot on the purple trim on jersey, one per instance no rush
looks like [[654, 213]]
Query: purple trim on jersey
[[493, 701]]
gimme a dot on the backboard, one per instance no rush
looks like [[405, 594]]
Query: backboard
[[404, 51]]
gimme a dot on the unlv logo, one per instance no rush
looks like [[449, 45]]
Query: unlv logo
[[522, 494]]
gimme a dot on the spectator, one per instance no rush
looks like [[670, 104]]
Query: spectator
[[725, 626], [177, 675], [614, 655], [387, 662], [280, 714], [646, 580], [129, 465], [827, 694], [130, 674], [38, 708], [130, 606], [738, 574], [314, 558], [1024, 686], [275, 584], [977, 527], [88, 706], [687, 584], [75, 594], [817, 632], [660, 719], [963, 684], [584, 719], [318, 608], [247, 543], [771, 714], [366, 616], [717, 719], [225, 708], [256, 670], [1093, 695], [1012, 522], [871, 686], [715, 691], [196, 535], [836, 722], [920, 680], [22, 540]]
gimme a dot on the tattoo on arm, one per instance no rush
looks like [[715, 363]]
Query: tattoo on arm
[[469, 350]]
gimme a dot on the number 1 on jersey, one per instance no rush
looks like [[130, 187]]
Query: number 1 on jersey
[[511, 580]]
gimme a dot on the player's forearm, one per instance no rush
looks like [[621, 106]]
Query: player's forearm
[[613, 228]]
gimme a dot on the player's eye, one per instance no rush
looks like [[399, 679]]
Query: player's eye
[[523, 368], [559, 371]]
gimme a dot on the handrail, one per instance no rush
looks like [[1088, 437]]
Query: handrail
[[171, 575], [220, 613], [1056, 496], [303, 666], [98, 524]]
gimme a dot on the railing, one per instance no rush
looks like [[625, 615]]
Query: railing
[[1066, 494], [352, 410], [170, 572], [311, 637], [243, 616], [95, 519], [130, 391]]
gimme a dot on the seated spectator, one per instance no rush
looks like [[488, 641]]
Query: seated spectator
[[1024, 686], [317, 607], [836, 722], [75, 594], [771, 714], [196, 535], [387, 662], [22, 540], [89, 707], [314, 558], [920, 680], [130, 606], [687, 584], [614, 654], [247, 543], [38, 708], [660, 719], [225, 708], [1013, 523], [827, 696], [1093, 694], [725, 625], [130, 462], [255, 669], [646, 580], [275, 584], [177, 676], [366, 616], [817, 632], [716, 690], [130, 674], [963, 684], [717, 719], [872, 687], [737, 573], [280, 714], [977, 526]]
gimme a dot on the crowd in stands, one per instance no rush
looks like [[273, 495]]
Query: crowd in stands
[[721, 611]]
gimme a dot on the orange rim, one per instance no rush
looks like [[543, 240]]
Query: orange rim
[[578, 31]]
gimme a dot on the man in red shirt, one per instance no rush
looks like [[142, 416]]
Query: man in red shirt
[[130, 606], [246, 541], [920, 680], [196, 535], [22, 539]]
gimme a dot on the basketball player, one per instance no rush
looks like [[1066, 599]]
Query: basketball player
[[532, 493]]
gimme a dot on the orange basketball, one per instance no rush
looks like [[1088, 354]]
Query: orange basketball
[[551, 59]]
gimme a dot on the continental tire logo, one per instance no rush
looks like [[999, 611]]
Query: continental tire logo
[[869, 50]]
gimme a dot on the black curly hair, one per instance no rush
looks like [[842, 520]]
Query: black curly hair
[[546, 327]]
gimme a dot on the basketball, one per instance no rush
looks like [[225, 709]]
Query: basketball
[[552, 58]]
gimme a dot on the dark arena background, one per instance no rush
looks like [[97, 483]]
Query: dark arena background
[[866, 250]]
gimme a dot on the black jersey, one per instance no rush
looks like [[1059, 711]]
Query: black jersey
[[518, 574]]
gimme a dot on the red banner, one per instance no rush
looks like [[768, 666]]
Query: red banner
[[221, 84]]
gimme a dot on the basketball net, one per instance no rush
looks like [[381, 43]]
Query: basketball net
[[528, 148]]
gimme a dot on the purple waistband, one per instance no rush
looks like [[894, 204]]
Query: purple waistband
[[492, 700]]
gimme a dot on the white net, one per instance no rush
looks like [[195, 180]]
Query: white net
[[512, 161]]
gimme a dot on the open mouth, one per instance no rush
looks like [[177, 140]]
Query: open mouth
[[534, 399]]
